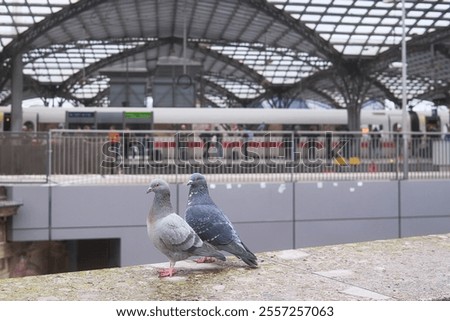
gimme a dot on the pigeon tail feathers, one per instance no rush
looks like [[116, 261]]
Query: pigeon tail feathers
[[241, 251], [208, 250]]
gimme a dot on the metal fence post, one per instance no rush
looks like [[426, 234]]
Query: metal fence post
[[49, 156]]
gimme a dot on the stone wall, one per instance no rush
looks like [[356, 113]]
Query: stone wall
[[7, 209], [37, 258], [4, 251]]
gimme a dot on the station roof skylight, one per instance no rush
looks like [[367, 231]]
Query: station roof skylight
[[250, 50]]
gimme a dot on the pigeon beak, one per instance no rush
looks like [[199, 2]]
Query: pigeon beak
[[149, 190], [190, 182]]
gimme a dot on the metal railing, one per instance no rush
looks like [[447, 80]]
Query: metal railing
[[23, 157], [67, 156]]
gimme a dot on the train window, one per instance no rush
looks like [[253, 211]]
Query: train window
[[433, 123], [138, 120], [107, 119], [81, 126], [138, 126], [28, 126], [108, 125], [45, 127], [80, 120], [397, 127]]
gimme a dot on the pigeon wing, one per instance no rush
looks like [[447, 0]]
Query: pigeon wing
[[211, 224], [177, 235], [180, 241], [214, 227]]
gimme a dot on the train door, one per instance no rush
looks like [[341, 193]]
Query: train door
[[417, 122], [5, 122], [136, 143]]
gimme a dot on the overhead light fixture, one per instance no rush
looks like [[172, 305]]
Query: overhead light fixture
[[396, 65]]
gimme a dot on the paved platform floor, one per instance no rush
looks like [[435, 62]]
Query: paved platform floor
[[415, 268]]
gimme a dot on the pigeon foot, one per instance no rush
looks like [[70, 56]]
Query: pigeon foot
[[206, 259], [166, 272]]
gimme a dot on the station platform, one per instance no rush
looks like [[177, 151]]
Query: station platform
[[405, 269]]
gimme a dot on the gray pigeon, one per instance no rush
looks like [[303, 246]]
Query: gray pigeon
[[170, 233], [211, 224]]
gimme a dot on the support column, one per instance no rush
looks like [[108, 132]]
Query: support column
[[16, 93]]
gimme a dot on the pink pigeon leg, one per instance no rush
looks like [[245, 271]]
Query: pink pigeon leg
[[206, 259], [167, 272]]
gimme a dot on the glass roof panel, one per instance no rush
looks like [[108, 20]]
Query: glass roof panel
[[354, 28], [347, 16], [22, 14]]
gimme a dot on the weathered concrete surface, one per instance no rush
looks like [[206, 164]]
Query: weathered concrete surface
[[403, 269]]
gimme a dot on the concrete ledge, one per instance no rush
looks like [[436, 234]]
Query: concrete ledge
[[9, 208], [401, 269]]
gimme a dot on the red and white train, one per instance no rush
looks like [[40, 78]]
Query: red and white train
[[44, 119]]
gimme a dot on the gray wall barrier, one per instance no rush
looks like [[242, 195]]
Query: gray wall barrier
[[268, 216]]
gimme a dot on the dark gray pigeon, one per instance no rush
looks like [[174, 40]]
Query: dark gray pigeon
[[170, 233], [211, 224]]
